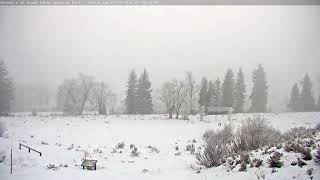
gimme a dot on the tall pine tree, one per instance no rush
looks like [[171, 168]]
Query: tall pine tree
[[259, 96], [228, 89], [239, 92], [131, 94], [294, 98], [144, 99], [203, 94], [307, 101], [217, 94], [6, 89], [211, 93]]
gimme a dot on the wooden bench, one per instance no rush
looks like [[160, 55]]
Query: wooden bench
[[89, 164]]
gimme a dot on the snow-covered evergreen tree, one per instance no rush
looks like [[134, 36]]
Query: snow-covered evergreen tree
[[211, 93], [294, 98], [259, 96], [239, 92], [6, 89], [203, 94], [131, 94], [144, 99], [228, 89], [307, 101], [217, 94]]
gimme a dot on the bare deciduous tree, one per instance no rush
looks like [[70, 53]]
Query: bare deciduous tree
[[73, 94]]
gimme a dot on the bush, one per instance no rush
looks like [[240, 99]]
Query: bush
[[120, 145], [134, 152], [256, 162], [299, 133], [213, 152], [274, 160], [254, 134], [243, 167]]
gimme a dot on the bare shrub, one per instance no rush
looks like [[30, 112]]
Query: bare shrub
[[256, 162], [225, 135], [213, 152], [254, 134], [299, 133]]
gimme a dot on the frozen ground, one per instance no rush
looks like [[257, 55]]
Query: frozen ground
[[64, 140]]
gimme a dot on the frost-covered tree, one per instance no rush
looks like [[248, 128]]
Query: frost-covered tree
[[228, 89], [100, 97], [191, 90], [131, 94], [294, 98], [259, 95], [172, 95], [239, 92], [307, 101], [6, 89], [144, 99], [73, 94], [210, 94], [217, 93], [203, 93]]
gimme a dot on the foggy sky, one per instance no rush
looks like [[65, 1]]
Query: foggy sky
[[49, 43]]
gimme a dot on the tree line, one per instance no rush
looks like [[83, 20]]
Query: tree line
[[302, 97], [180, 97]]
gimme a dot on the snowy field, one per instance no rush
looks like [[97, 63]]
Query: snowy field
[[64, 140]]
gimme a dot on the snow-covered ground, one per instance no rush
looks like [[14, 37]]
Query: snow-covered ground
[[64, 140]]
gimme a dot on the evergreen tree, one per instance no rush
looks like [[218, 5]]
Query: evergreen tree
[[210, 95], [259, 96], [144, 99], [307, 101], [239, 92], [294, 98], [217, 93], [6, 89], [203, 94], [228, 89], [131, 94]]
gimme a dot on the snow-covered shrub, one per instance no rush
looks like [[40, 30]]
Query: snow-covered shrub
[[317, 157], [298, 148], [3, 128], [153, 149], [190, 148], [213, 152], [52, 167], [256, 162], [134, 152], [299, 133], [243, 167], [274, 160], [120, 145], [306, 154], [254, 134], [245, 158], [309, 171], [317, 127]]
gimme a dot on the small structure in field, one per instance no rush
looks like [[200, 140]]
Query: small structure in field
[[220, 111], [89, 164]]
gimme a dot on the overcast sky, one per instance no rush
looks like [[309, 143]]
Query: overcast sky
[[49, 43]]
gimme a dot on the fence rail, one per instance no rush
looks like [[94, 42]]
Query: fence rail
[[29, 148]]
